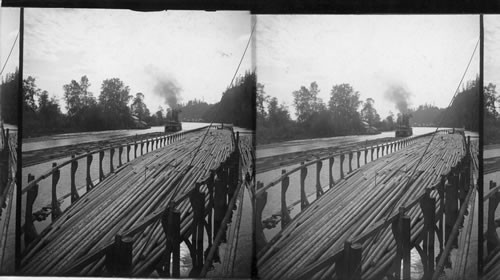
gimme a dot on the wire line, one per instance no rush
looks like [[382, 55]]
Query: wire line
[[12, 48]]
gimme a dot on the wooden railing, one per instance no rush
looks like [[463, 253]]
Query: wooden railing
[[8, 170], [31, 190], [439, 218], [491, 259]]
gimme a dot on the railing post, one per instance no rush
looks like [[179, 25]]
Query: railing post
[[197, 199], [319, 189], [342, 157], [120, 152], [378, 148], [111, 156], [349, 265], [171, 223], [373, 149], [451, 205], [56, 211], [220, 200], [258, 207], [303, 197], [88, 178], [285, 216], [74, 192], [101, 171], [402, 235], [30, 232], [135, 150], [492, 240], [350, 162], [366, 155], [210, 187], [128, 152], [441, 193], [428, 206], [119, 257], [331, 160], [357, 160], [142, 148]]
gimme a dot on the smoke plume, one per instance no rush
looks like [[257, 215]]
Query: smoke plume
[[165, 86], [399, 96]]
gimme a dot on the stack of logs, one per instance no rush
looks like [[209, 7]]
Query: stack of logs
[[367, 196], [124, 199]]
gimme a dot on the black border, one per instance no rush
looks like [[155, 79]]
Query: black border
[[275, 7], [280, 6]]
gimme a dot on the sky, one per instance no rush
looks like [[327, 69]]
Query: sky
[[426, 55], [9, 27], [492, 50], [197, 51]]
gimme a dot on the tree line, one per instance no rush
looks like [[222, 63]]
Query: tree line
[[346, 114], [491, 131], [9, 97], [111, 110]]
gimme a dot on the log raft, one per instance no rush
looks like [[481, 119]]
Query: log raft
[[357, 203], [133, 192]]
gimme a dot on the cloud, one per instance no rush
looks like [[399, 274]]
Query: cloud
[[200, 49]]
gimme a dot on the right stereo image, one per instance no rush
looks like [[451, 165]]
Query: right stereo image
[[369, 147]]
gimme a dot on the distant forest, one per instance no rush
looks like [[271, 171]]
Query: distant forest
[[346, 114], [491, 132], [9, 97], [115, 106]]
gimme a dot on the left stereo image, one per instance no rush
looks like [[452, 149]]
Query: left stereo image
[[137, 143]]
